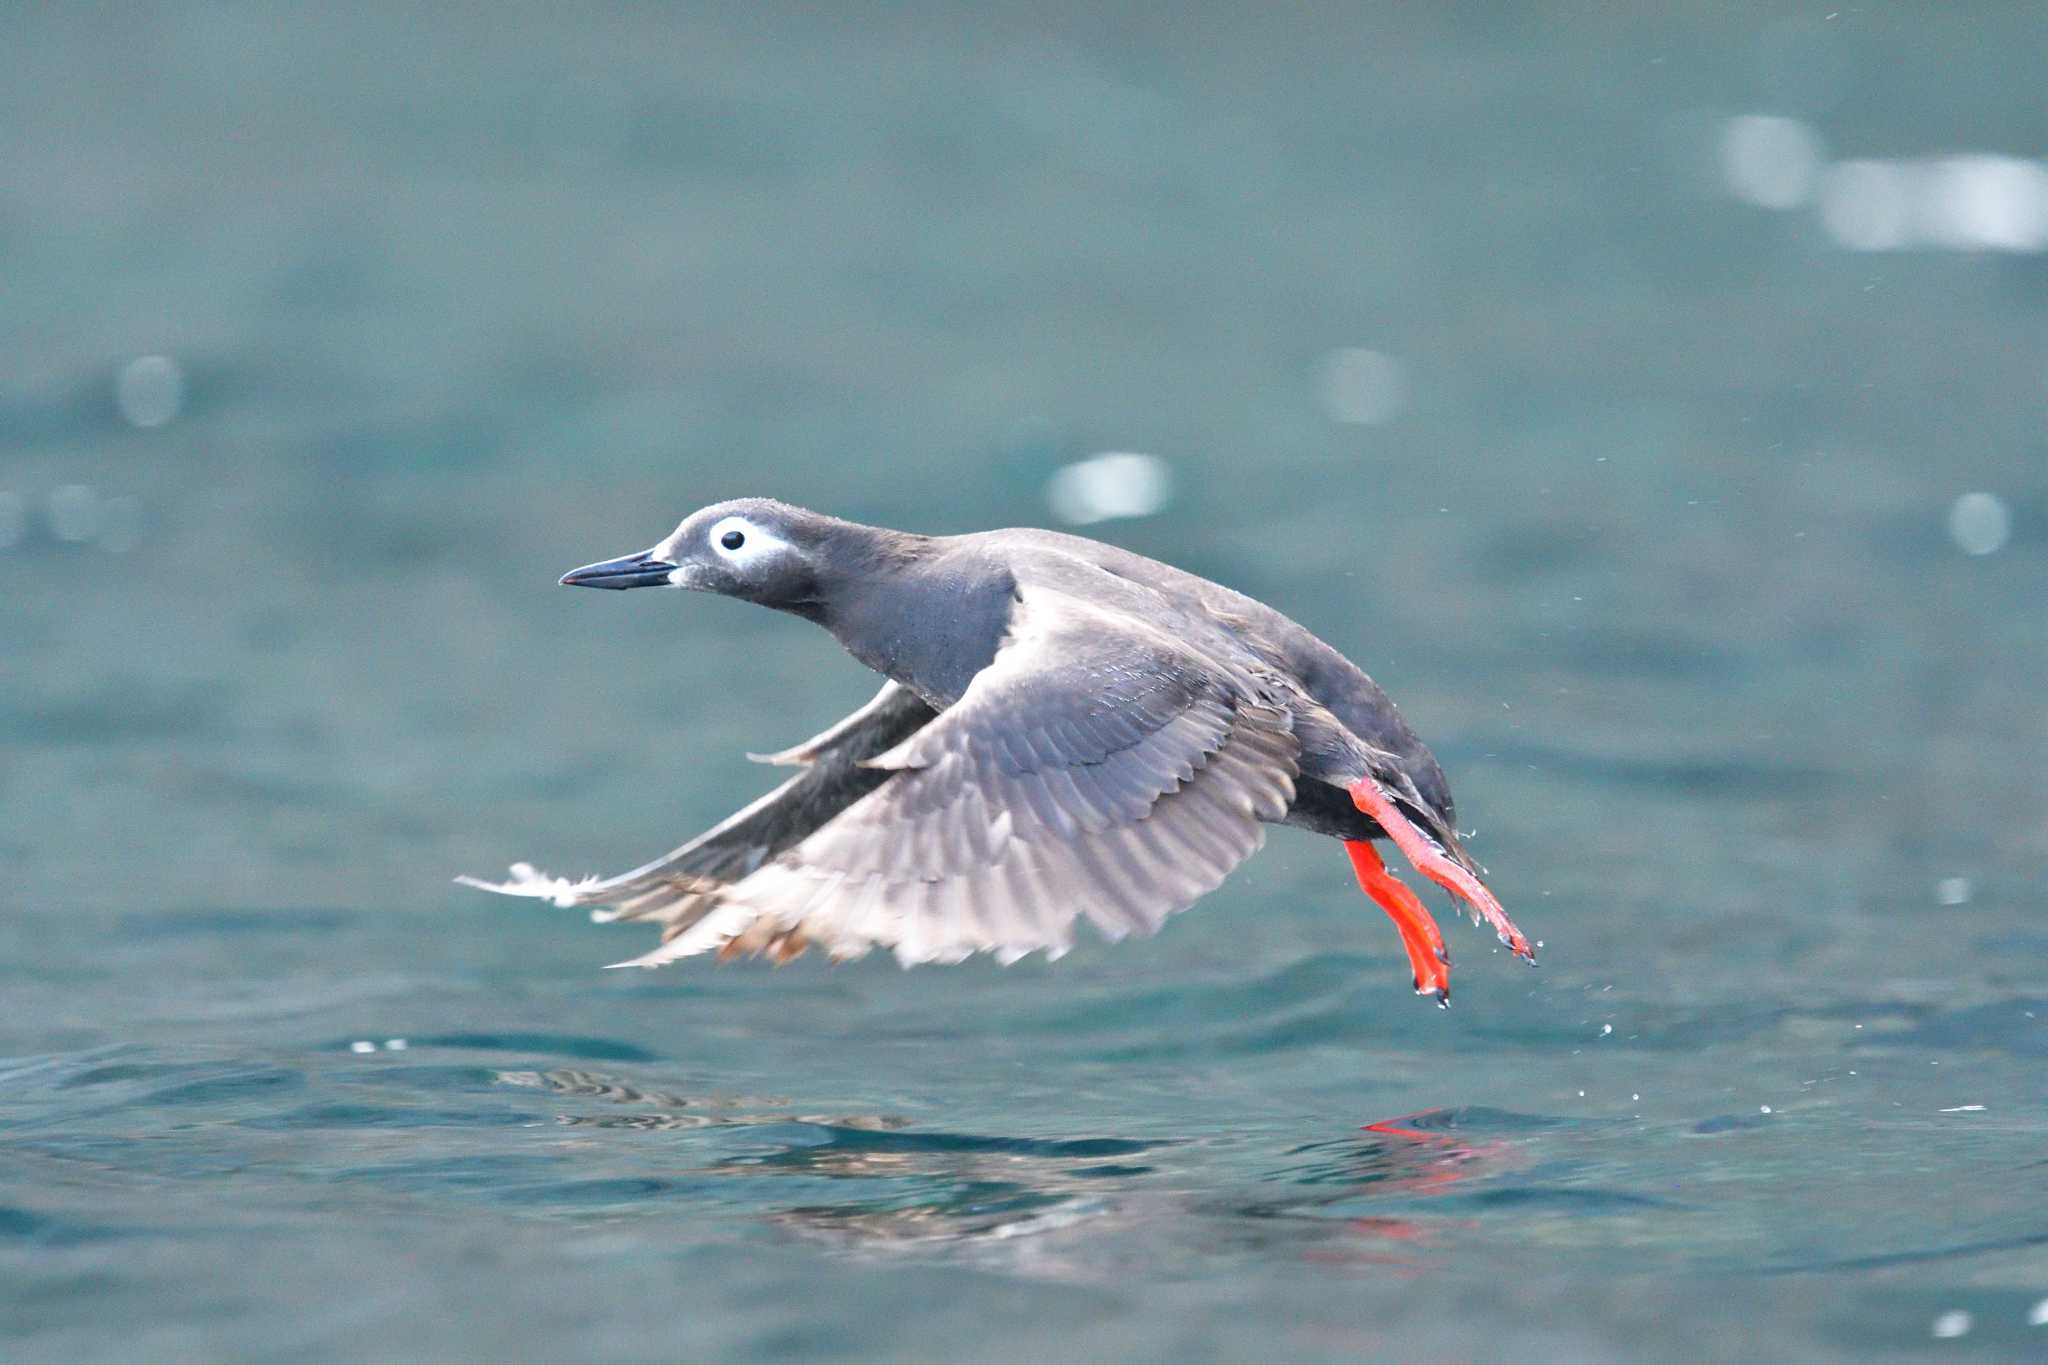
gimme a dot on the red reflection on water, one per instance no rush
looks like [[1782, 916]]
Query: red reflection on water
[[1413, 1161]]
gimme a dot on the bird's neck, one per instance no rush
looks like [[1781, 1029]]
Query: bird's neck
[[916, 610]]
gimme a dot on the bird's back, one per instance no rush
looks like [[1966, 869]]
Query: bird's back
[[1277, 640]]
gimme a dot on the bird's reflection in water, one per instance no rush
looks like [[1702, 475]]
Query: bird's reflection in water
[[673, 1111], [1416, 1156], [954, 1187], [919, 1188], [1006, 1198]]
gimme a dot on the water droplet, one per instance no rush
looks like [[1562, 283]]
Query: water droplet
[[362, 1045], [149, 390], [1954, 1323], [1606, 1029], [1763, 1109], [1979, 523]]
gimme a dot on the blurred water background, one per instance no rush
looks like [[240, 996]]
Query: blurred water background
[[1654, 399]]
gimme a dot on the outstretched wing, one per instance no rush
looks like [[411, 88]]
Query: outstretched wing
[[677, 889], [1096, 768]]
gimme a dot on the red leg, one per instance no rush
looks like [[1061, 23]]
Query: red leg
[[1418, 931], [1434, 864]]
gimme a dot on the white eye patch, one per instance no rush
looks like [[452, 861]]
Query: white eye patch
[[743, 544]]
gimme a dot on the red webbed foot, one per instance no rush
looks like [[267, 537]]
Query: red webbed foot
[[1419, 935], [1433, 863]]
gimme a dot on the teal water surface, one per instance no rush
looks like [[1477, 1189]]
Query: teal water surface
[[1548, 361]]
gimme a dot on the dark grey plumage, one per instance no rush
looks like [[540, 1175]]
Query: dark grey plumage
[[1070, 731]]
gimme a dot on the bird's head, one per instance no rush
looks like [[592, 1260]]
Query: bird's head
[[755, 549]]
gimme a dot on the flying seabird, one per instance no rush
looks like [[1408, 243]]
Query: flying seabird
[[1068, 731]]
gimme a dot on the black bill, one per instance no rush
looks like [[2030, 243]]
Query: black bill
[[633, 571]]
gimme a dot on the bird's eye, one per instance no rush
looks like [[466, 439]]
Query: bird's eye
[[732, 540]]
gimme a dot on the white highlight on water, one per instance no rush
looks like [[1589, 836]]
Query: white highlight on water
[[1769, 161], [1953, 890], [1362, 387], [1867, 205], [1975, 202], [1954, 1323], [1117, 483], [150, 390], [1979, 523], [1985, 203], [1966, 201], [74, 513]]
